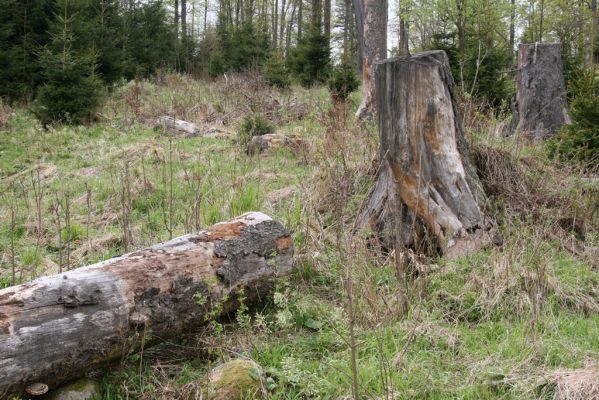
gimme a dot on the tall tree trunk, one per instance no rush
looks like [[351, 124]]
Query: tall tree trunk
[[205, 18], [426, 181], [59, 327], [541, 18], [300, 19], [346, 20], [327, 19], [595, 23], [373, 16], [177, 17], [512, 29], [282, 22], [541, 104], [317, 15], [275, 26], [404, 46], [184, 19]]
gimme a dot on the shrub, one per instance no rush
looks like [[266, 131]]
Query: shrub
[[276, 72], [343, 81], [254, 125], [217, 64], [580, 140], [310, 59]]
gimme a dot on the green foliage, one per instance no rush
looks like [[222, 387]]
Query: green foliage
[[23, 28], [580, 140], [310, 59], [217, 64], [254, 125], [478, 72], [71, 91], [276, 72], [238, 48], [343, 81]]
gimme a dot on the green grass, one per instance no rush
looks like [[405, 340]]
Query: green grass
[[471, 333]]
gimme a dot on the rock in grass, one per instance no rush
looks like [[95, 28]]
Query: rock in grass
[[82, 389], [234, 380], [269, 141]]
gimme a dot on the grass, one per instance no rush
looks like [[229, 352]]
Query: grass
[[500, 323]]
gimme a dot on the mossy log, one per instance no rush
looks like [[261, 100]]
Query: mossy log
[[57, 328], [426, 182]]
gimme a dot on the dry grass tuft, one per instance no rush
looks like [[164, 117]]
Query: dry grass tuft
[[579, 384], [5, 115]]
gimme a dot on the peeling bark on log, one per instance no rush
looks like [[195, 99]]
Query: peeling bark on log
[[57, 328], [426, 181], [177, 126], [541, 103]]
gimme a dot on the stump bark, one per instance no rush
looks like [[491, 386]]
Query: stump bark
[[541, 104], [59, 327], [426, 183]]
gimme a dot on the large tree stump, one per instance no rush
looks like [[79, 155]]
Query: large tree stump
[[426, 182], [541, 103], [56, 328]]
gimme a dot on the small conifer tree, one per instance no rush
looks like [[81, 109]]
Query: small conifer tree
[[71, 91]]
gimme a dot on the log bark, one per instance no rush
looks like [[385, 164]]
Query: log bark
[[426, 182], [541, 103], [59, 327], [177, 126]]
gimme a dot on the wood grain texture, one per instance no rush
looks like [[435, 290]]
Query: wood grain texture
[[56, 328], [426, 181]]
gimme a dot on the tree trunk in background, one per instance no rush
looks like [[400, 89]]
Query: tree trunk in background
[[595, 23], [327, 19], [177, 17], [541, 18], [184, 19], [59, 327], [317, 15], [300, 19], [541, 104], [404, 46], [512, 29], [275, 29], [373, 48], [426, 181]]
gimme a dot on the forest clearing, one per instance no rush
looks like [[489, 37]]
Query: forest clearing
[[192, 235]]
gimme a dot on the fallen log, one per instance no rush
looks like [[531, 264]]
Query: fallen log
[[177, 126], [57, 328]]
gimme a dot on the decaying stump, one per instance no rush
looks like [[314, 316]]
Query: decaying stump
[[261, 143], [426, 182], [56, 328], [541, 104], [177, 126]]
